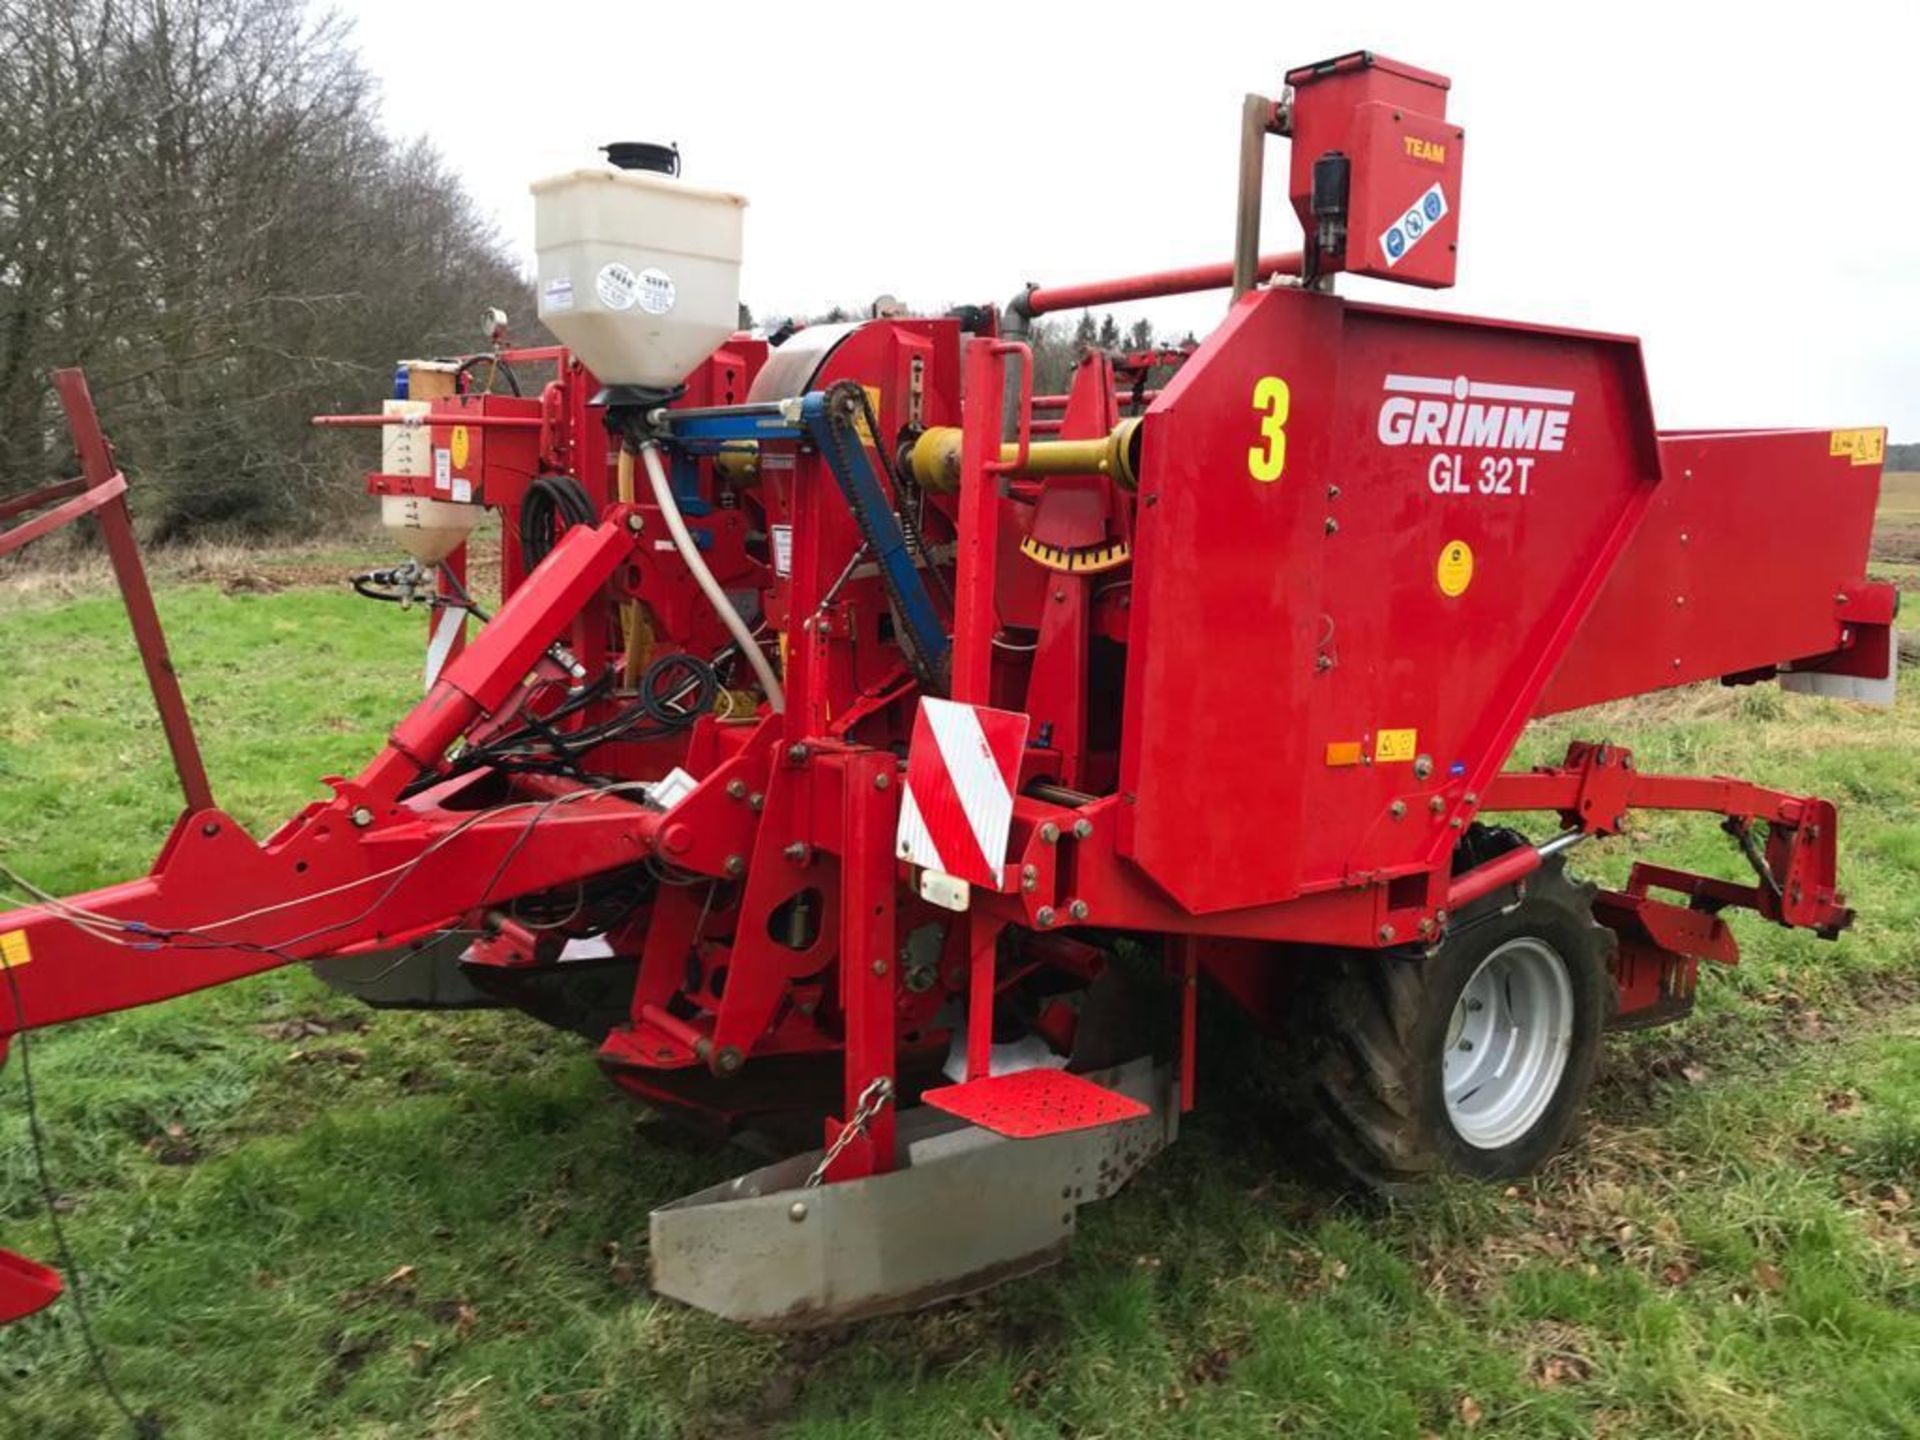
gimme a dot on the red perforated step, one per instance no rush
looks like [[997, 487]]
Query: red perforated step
[[1031, 1103]]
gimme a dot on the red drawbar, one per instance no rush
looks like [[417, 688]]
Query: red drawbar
[[25, 1286], [1029, 1104]]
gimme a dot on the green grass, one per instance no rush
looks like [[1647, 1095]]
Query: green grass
[[297, 1217]]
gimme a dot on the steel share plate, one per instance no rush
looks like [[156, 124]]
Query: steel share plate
[[966, 1209]]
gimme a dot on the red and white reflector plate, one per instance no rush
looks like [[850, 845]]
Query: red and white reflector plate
[[962, 767], [1029, 1104]]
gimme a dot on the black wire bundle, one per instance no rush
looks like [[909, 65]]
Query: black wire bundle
[[674, 691], [552, 504]]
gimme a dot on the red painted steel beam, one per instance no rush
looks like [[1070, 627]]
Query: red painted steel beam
[[1714, 795], [492, 666], [1185, 281], [428, 421], [1503, 870], [21, 504], [116, 525], [1059, 402], [219, 907], [85, 503]]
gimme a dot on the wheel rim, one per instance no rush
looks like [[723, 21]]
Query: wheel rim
[[1508, 1042]]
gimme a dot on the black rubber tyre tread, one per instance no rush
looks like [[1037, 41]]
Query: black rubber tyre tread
[[1368, 1042]]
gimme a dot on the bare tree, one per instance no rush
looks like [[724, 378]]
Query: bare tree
[[197, 205]]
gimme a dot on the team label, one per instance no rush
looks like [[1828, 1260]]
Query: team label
[[1459, 414]]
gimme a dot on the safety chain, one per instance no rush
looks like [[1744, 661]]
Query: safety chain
[[873, 1099]]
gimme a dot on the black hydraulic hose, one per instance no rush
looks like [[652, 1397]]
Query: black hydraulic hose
[[496, 366], [552, 505]]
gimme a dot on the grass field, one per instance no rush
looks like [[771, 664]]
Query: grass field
[[297, 1217]]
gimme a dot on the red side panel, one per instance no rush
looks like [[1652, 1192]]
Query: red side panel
[[1748, 557], [1364, 538]]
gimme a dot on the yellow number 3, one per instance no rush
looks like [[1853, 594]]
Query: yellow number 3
[[1271, 396]]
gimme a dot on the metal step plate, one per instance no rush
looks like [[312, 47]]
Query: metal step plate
[[1029, 1104]]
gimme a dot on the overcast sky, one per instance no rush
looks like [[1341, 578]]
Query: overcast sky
[[1738, 185]]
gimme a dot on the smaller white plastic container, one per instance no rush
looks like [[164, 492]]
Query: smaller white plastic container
[[639, 273]]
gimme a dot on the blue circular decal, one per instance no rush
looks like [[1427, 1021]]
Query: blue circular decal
[[1432, 205], [1396, 243], [1414, 224]]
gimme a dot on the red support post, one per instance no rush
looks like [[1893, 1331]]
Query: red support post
[[1187, 952], [869, 967], [976, 569], [116, 524], [447, 621], [983, 948]]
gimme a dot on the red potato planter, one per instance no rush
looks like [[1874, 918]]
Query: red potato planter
[[836, 728]]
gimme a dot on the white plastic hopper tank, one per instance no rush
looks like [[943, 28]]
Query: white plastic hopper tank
[[639, 272]]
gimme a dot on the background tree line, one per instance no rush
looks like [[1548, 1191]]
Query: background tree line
[[197, 205]]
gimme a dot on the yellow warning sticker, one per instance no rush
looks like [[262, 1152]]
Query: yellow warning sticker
[[860, 421], [1862, 447], [14, 949], [1393, 746], [1454, 570], [461, 445]]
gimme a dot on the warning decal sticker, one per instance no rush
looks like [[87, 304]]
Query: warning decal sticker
[[1412, 227], [1861, 447]]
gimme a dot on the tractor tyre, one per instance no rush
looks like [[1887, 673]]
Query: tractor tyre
[[1473, 1056]]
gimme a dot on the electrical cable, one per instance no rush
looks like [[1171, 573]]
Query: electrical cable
[[143, 1427], [669, 709]]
